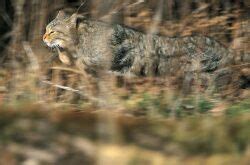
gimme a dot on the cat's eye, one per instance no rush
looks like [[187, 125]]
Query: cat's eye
[[52, 32]]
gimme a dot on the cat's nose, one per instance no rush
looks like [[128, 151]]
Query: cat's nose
[[45, 36]]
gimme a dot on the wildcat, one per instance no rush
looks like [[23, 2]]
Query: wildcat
[[99, 46]]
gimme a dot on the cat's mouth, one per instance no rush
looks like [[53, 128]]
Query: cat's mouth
[[57, 48], [55, 44]]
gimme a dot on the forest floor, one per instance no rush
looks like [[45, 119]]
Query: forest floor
[[209, 133]]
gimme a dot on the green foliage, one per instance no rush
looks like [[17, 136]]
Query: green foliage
[[240, 108], [160, 105], [205, 105], [154, 104]]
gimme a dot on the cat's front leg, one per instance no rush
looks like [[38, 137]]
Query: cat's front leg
[[64, 57]]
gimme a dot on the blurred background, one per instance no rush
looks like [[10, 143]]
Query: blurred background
[[54, 114]]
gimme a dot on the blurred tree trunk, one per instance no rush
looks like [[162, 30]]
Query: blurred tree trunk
[[6, 18]]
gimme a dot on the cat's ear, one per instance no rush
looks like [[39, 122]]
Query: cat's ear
[[61, 15], [76, 18]]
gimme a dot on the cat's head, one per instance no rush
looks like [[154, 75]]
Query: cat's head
[[59, 31]]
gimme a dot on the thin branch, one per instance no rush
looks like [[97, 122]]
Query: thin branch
[[240, 65], [62, 87], [66, 69], [83, 3], [71, 90], [123, 6]]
